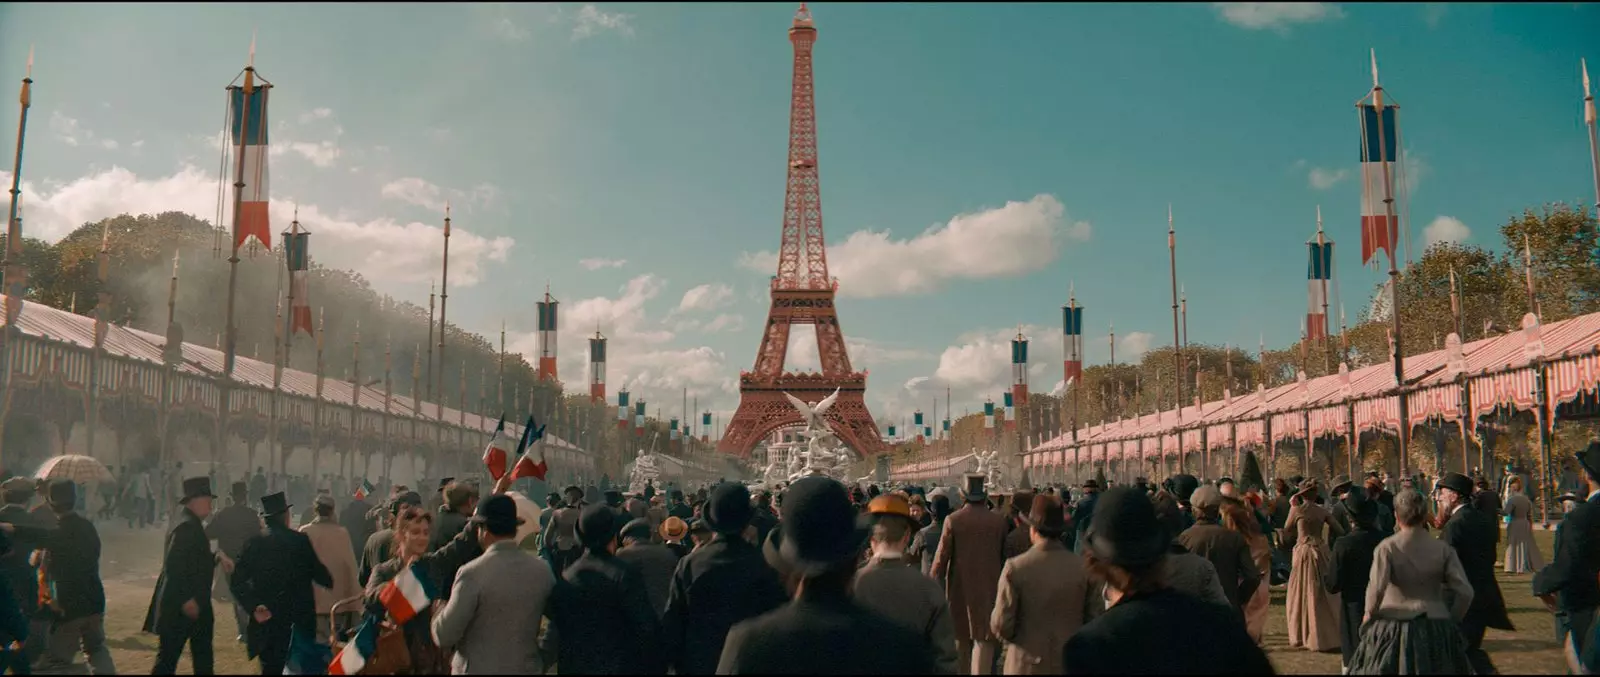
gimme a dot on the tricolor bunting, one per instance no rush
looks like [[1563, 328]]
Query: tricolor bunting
[[622, 409], [532, 438], [1319, 271], [638, 418], [497, 454], [1072, 342], [1378, 163], [408, 594], [296, 248], [988, 414], [249, 135]]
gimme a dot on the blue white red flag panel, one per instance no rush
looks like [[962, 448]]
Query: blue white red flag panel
[[1378, 162], [248, 127], [297, 255], [1319, 270]]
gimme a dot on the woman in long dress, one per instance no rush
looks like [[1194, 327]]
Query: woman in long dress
[[1522, 554], [1240, 518], [1416, 595], [1313, 612]]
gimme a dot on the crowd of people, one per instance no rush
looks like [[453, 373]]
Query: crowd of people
[[813, 577]]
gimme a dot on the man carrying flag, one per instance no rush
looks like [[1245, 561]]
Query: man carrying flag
[[498, 453]]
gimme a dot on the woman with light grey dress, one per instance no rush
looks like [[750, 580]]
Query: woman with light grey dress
[[1522, 554]]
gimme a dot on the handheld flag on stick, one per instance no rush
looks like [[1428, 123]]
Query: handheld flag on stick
[[498, 453], [364, 490], [408, 594], [526, 466], [353, 657]]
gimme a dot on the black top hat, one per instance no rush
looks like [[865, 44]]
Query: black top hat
[[974, 491], [498, 514], [274, 504], [729, 510], [196, 487], [597, 526], [63, 493], [613, 497], [1183, 486], [1589, 459], [1047, 516], [821, 528], [1456, 482], [239, 490], [1125, 530]]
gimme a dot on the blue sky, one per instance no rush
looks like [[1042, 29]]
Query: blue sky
[[976, 160]]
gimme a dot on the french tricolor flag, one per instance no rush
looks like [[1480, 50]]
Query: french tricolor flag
[[1319, 271], [527, 466], [498, 453], [1379, 146], [353, 657], [407, 595], [249, 136]]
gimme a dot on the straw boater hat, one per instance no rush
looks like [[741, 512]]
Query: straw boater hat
[[674, 529]]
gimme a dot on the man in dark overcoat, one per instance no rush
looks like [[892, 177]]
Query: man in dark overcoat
[[1476, 539], [232, 527], [180, 608], [970, 556], [1570, 584], [17, 564], [79, 596], [272, 580]]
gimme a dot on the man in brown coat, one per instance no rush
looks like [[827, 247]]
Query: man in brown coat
[[1225, 548], [1044, 595], [971, 552]]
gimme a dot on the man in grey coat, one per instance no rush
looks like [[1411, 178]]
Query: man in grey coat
[[498, 599]]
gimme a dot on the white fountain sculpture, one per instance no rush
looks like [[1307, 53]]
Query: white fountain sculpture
[[823, 455], [992, 468], [645, 469]]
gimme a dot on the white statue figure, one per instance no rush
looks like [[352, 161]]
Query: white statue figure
[[644, 469], [990, 466]]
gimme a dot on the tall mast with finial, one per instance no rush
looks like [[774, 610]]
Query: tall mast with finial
[[316, 403], [1072, 329], [1177, 343], [500, 378], [427, 391], [355, 404], [444, 296], [1319, 272], [279, 350], [15, 276], [248, 105], [1589, 121], [1380, 147], [102, 324]]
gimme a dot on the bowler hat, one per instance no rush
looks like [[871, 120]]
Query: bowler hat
[[1456, 482], [239, 491], [1358, 505], [888, 506], [597, 526], [699, 526], [1589, 459], [63, 493], [196, 487], [498, 514], [1091, 484], [1125, 531], [974, 492], [729, 510], [1047, 516], [274, 504], [1184, 485], [637, 529], [821, 529], [939, 505]]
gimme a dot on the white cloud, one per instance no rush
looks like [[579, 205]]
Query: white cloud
[[434, 198], [592, 21], [1276, 16], [1323, 179], [315, 114], [1018, 238], [137, 144], [597, 264], [71, 132], [642, 355], [706, 297], [724, 322], [384, 250], [1446, 229], [865, 354], [322, 153], [1134, 345]]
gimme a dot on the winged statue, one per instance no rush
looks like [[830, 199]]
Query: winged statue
[[813, 415]]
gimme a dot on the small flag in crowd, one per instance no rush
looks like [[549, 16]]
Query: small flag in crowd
[[526, 467], [498, 453], [353, 657], [365, 490], [407, 595]]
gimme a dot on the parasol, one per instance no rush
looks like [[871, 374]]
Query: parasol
[[78, 469], [528, 511]]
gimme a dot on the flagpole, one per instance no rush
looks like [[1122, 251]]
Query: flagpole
[[1394, 269], [444, 296], [229, 347], [1177, 347], [1327, 322], [171, 356], [316, 404], [12, 264], [279, 344], [102, 322], [427, 392], [1589, 119]]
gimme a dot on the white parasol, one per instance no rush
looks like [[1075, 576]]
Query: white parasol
[[529, 512], [78, 469]]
